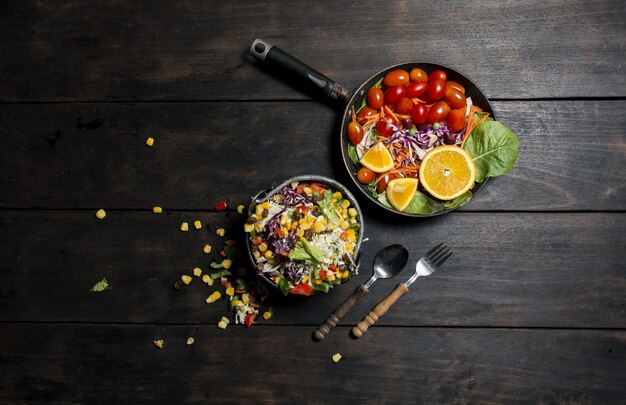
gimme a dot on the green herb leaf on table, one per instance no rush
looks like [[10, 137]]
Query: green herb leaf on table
[[230, 252], [100, 285], [494, 149], [218, 274]]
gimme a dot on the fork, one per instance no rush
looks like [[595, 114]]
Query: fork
[[424, 267]]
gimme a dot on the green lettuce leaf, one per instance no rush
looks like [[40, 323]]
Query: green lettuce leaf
[[459, 201], [306, 252], [423, 204], [494, 149]]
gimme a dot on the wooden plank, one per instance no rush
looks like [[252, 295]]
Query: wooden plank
[[196, 50], [118, 363], [91, 155], [522, 270]]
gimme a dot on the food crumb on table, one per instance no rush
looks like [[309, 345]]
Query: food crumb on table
[[190, 340], [336, 357], [159, 343], [100, 214], [157, 210], [150, 141], [184, 227]]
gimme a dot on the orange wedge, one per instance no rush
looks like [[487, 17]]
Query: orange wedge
[[447, 172], [378, 159], [400, 192]]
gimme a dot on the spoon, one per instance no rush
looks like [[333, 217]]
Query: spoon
[[388, 262]]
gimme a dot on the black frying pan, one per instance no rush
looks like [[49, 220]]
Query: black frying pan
[[275, 57]]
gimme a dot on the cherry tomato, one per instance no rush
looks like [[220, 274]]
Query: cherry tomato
[[418, 75], [416, 89], [438, 112], [455, 98], [396, 77], [404, 106], [455, 85], [375, 98], [355, 133], [437, 75], [456, 120], [381, 185], [419, 114], [436, 89], [386, 126], [365, 175], [364, 114], [395, 94]]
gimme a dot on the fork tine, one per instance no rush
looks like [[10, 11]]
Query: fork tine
[[442, 260], [433, 254], [436, 257], [433, 250]]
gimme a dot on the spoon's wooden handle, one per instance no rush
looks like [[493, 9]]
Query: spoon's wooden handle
[[340, 312], [379, 310]]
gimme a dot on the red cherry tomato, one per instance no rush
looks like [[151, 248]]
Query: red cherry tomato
[[355, 133], [386, 126], [416, 89], [396, 77], [395, 94], [436, 89], [438, 112], [404, 106], [375, 98], [418, 75], [437, 75], [381, 185], [419, 114], [364, 114], [455, 85], [455, 98], [365, 175], [456, 120]]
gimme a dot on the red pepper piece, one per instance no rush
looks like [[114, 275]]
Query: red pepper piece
[[221, 206], [301, 289], [250, 319]]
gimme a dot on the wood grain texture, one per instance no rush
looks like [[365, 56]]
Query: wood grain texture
[[509, 270], [60, 51], [114, 364], [90, 155]]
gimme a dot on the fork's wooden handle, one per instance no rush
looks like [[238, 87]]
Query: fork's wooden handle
[[340, 312], [379, 310]]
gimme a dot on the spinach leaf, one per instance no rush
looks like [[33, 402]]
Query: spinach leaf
[[284, 286], [352, 154], [423, 204], [459, 201], [494, 149]]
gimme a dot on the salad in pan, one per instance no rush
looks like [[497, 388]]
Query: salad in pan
[[304, 237], [420, 145]]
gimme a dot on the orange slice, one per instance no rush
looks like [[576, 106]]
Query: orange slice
[[447, 172], [401, 191], [378, 159]]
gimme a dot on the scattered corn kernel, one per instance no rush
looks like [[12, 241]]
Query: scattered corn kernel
[[197, 224], [100, 214], [220, 231], [345, 274], [240, 209], [256, 254], [267, 315], [305, 279], [248, 227], [319, 227], [159, 343], [150, 141], [206, 249], [227, 263], [185, 279], [230, 291], [258, 210], [221, 325], [190, 340], [206, 278], [157, 210], [300, 232], [197, 271], [317, 282], [306, 226], [336, 357], [213, 297], [330, 277], [352, 212], [308, 190], [184, 227]]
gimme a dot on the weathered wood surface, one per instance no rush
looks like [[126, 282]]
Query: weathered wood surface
[[74, 364], [559, 270], [571, 156], [87, 51]]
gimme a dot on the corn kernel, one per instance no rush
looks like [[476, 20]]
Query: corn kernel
[[258, 210], [190, 341], [230, 291], [305, 279], [157, 210], [100, 214], [344, 224], [336, 357], [268, 254], [150, 141], [206, 249], [248, 228], [337, 194], [256, 254], [236, 303], [288, 226], [306, 226], [210, 281], [319, 227], [197, 224], [267, 315], [352, 212], [345, 274], [330, 277], [262, 247], [258, 227], [345, 204], [206, 278], [220, 231], [159, 343], [221, 325], [283, 219], [226, 263], [225, 320], [184, 227], [197, 271], [277, 198], [213, 297], [240, 209], [317, 282], [185, 279], [344, 212], [308, 190], [266, 205]]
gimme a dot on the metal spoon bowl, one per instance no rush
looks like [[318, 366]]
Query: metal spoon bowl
[[388, 262]]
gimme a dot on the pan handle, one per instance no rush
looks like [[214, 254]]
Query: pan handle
[[273, 55]]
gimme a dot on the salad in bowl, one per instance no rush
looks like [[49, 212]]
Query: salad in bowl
[[303, 236]]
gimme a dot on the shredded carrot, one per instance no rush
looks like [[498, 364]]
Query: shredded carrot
[[353, 114], [472, 123]]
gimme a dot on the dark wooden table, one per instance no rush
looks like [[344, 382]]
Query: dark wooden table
[[531, 307]]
